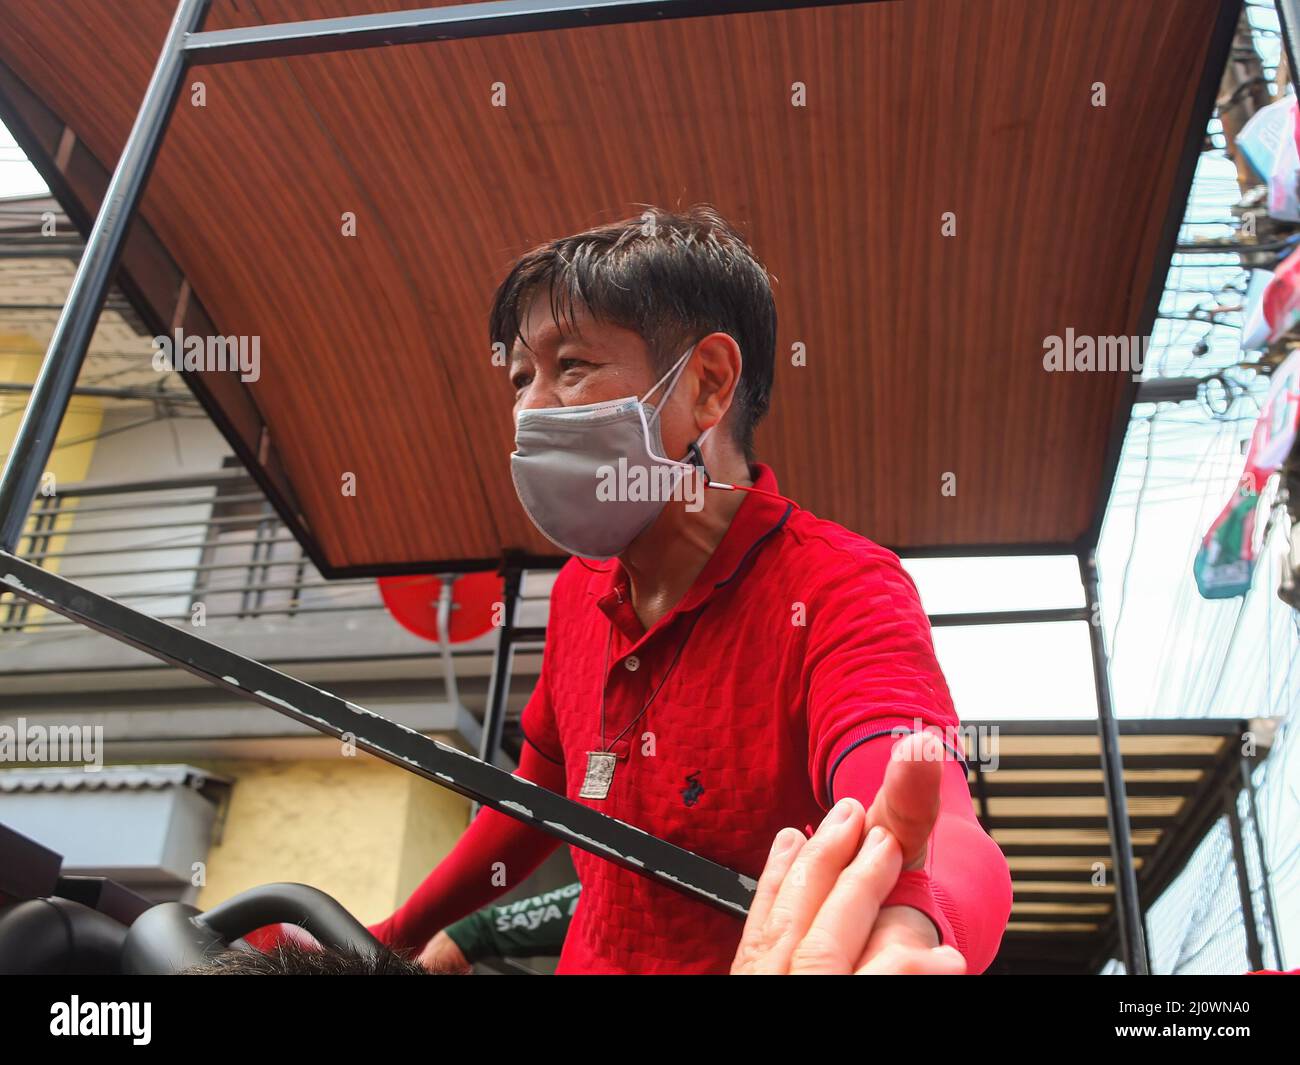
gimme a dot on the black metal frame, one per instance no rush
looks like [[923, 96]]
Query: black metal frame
[[1254, 950], [186, 43], [460, 22], [1128, 906], [569, 821], [76, 325]]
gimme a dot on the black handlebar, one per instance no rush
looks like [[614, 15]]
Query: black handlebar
[[173, 936], [313, 910]]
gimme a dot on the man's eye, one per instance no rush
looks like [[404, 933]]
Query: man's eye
[[571, 364], [519, 381]]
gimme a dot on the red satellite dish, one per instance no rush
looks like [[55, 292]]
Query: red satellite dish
[[413, 602]]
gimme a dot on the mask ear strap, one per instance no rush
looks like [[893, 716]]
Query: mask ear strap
[[694, 457], [674, 371]]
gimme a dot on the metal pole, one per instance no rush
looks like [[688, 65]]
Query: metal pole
[[494, 713], [35, 440], [1254, 952], [446, 603], [1128, 907], [458, 22], [494, 710], [1248, 782]]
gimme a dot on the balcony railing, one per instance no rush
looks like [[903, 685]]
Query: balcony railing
[[175, 547]]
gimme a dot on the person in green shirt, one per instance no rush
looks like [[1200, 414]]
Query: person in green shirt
[[531, 927]]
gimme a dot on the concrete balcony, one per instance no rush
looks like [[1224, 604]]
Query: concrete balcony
[[209, 550]]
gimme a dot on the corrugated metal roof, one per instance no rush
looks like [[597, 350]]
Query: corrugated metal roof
[[1040, 793], [107, 778]]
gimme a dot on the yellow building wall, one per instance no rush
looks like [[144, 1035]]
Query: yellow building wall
[[356, 828], [20, 360]]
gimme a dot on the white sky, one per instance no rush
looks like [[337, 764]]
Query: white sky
[[17, 176]]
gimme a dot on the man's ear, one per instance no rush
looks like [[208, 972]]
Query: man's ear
[[716, 367]]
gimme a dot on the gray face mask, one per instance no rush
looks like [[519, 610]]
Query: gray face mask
[[592, 478]]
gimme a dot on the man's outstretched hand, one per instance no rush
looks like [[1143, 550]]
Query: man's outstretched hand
[[817, 908], [442, 955]]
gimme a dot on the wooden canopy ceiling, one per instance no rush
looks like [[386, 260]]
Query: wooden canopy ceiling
[[924, 351]]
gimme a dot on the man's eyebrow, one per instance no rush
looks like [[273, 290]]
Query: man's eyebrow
[[549, 339], [573, 339]]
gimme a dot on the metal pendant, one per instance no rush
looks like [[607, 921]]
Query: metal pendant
[[600, 775]]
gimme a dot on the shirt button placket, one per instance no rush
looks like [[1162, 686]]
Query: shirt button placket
[[628, 695]]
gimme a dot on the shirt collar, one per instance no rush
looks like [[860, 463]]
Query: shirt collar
[[756, 520]]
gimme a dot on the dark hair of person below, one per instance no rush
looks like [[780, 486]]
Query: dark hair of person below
[[296, 960]]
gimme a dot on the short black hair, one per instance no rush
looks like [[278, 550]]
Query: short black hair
[[292, 959], [670, 278]]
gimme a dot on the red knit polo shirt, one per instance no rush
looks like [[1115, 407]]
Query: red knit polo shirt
[[798, 639]]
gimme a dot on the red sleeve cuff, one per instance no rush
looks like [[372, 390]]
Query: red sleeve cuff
[[891, 727], [913, 889]]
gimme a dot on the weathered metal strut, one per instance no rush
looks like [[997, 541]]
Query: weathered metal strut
[[569, 821]]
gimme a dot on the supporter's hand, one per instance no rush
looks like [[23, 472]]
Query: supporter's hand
[[817, 907], [441, 955]]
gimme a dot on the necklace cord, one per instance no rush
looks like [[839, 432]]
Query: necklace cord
[[604, 680]]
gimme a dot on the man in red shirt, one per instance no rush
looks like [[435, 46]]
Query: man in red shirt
[[732, 665]]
